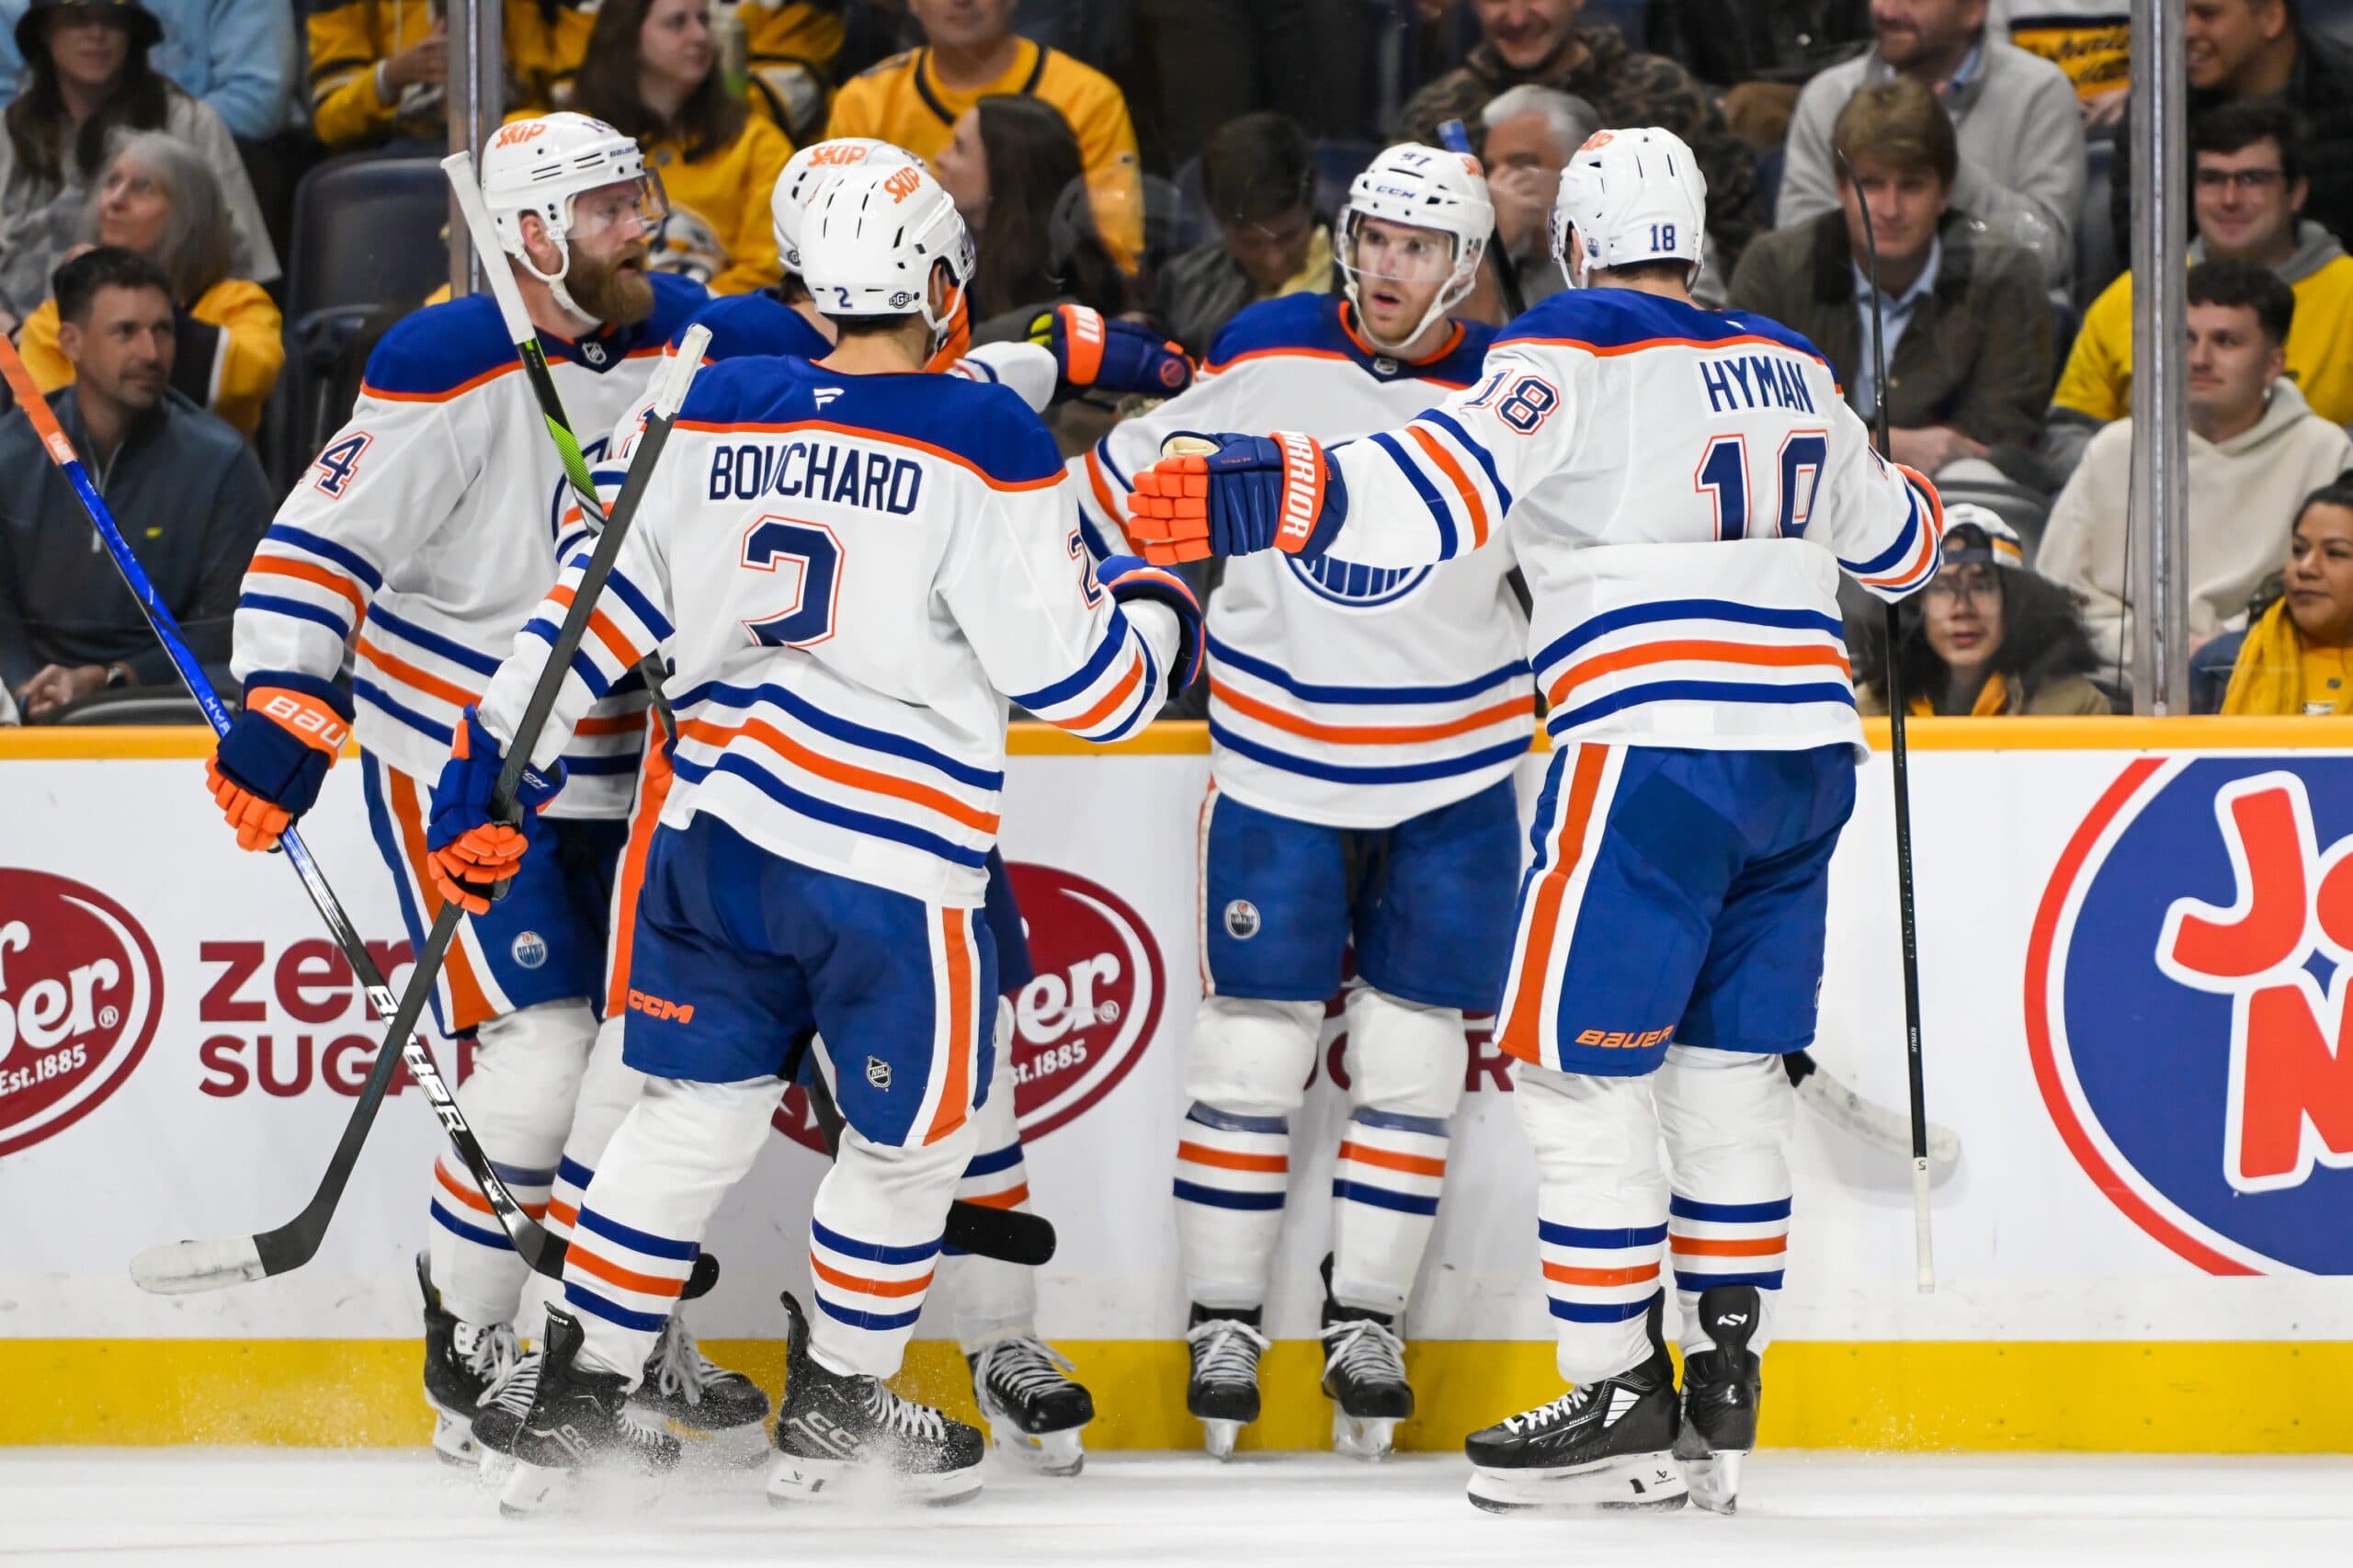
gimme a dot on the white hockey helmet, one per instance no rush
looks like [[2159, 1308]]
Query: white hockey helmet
[[542, 166], [872, 238], [1630, 196], [809, 171], [1421, 188]]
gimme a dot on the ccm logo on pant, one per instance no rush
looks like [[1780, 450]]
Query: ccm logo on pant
[[657, 1007]]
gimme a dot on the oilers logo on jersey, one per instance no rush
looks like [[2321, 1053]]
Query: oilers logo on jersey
[[1351, 587]]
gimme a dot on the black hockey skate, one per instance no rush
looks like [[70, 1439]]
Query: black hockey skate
[[1722, 1389], [1601, 1445], [719, 1416], [1034, 1408], [834, 1427], [577, 1419], [1223, 1393], [1364, 1372], [462, 1361]]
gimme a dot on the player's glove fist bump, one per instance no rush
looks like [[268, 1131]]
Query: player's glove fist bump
[[1093, 350], [1235, 495], [469, 850], [276, 753]]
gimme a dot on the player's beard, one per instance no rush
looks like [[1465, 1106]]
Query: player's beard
[[615, 291]]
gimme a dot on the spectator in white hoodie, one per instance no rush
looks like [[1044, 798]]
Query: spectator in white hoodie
[[2256, 450]]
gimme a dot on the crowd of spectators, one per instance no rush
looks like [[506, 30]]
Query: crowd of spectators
[[1182, 159]]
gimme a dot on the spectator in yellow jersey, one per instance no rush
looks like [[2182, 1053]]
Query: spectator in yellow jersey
[[790, 47], [158, 198], [380, 68], [971, 52], [653, 71], [2297, 657], [2249, 180]]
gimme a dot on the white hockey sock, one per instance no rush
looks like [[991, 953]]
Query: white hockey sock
[[1405, 1070], [874, 1240], [1727, 1118], [1246, 1073], [1600, 1212], [606, 1091], [982, 1299], [519, 1101], [641, 1221]]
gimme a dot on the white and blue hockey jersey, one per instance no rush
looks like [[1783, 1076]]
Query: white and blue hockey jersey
[[849, 574], [430, 527], [1682, 488], [1342, 694]]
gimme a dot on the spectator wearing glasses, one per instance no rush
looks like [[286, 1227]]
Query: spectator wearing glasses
[[87, 76], [1259, 183], [653, 73], [2256, 451], [2296, 657], [2250, 185], [1987, 637], [185, 488], [1968, 330], [157, 198], [2015, 118]]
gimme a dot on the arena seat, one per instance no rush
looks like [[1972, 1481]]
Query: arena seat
[[2097, 261]]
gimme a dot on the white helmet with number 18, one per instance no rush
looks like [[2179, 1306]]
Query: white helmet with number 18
[[869, 241], [1420, 187], [541, 167], [1628, 195]]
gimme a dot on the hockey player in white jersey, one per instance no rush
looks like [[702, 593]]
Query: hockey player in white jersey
[[1034, 1408], [848, 562], [1364, 723], [436, 515], [1682, 488]]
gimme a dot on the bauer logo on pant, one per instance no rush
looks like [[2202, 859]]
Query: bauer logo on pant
[[80, 992], [2186, 1008]]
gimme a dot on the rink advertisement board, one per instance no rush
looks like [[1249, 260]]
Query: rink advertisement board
[[2136, 939]]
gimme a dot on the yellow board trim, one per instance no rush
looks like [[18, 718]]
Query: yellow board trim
[[2172, 1397], [1190, 737]]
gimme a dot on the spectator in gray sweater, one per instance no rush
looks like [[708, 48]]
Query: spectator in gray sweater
[[2022, 168], [184, 487]]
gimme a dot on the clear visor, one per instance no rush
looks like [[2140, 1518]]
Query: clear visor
[[1394, 253], [638, 204]]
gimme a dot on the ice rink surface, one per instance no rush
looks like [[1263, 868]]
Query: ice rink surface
[[362, 1509]]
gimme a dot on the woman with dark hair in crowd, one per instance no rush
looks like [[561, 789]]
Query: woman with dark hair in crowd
[[158, 198], [1987, 636], [2296, 655], [1013, 170], [86, 79], [653, 71]]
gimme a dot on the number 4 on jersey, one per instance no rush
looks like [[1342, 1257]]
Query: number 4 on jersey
[[1723, 476]]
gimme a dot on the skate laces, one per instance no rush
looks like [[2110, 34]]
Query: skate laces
[[1544, 1415], [903, 1417], [679, 1367], [515, 1386], [1364, 1348], [488, 1352], [1023, 1366], [1225, 1349]]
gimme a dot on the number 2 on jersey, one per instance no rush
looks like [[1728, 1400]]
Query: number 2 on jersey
[[812, 556], [1723, 476]]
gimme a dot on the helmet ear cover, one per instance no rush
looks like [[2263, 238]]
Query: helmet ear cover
[[1419, 188], [539, 168]]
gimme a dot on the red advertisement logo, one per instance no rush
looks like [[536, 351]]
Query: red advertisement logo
[[80, 992]]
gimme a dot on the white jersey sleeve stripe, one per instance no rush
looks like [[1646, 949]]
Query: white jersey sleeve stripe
[[1447, 539], [1438, 418]]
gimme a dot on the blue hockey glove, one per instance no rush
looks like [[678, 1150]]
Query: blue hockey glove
[[276, 752], [1132, 580], [469, 852], [1093, 350], [1235, 495]]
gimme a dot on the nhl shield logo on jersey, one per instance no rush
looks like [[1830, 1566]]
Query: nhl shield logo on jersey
[[81, 989], [2186, 1008]]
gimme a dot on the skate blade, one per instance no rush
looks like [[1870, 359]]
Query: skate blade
[[494, 1470], [1048, 1454], [1714, 1478], [1368, 1437], [1217, 1437], [453, 1439], [531, 1490], [794, 1479], [1626, 1481], [716, 1448]]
